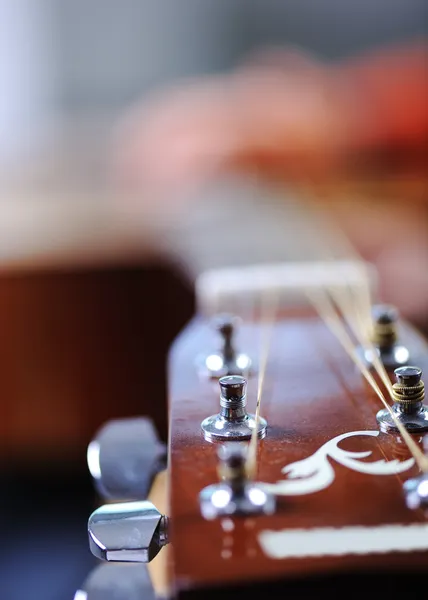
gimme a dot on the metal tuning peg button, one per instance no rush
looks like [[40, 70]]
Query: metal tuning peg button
[[227, 361], [416, 489], [127, 532], [117, 582], [408, 408], [124, 457], [235, 494], [384, 337], [232, 422]]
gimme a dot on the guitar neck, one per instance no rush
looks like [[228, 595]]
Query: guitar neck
[[239, 222]]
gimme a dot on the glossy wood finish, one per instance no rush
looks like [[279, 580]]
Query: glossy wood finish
[[313, 393]]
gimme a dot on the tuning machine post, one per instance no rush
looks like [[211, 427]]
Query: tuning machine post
[[416, 489], [408, 408], [384, 337], [232, 422], [227, 360], [235, 494]]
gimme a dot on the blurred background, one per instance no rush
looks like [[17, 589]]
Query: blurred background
[[89, 299]]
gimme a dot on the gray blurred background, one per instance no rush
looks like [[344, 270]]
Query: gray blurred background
[[84, 62]]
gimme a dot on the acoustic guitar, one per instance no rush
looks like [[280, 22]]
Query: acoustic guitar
[[296, 463]]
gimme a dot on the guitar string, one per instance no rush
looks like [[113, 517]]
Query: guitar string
[[362, 305], [348, 302], [269, 304], [345, 304], [359, 301], [361, 332], [416, 452], [366, 344], [363, 337], [269, 317], [325, 308]]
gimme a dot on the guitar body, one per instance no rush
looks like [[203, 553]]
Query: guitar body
[[339, 516]]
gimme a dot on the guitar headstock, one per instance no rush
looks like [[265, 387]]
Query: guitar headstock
[[335, 488]]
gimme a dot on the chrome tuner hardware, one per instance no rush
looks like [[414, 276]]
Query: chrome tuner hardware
[[233, 422], [117, 582], [124, 457], [235, 494], [227, 361], [384, 337], [409, 395], [416, 492], [127, 532], [416, 489]]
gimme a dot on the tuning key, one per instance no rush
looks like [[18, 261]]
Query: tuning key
[[124, 457], [235, 494], [232, 422], [117, 582], [416, 489], [384, 336], [227, 360], [127, 532], [408, 407]]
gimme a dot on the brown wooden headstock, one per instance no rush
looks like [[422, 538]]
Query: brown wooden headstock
[[331, 485], [338, 479]]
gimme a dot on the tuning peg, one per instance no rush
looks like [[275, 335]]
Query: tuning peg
[[232, 422], [127, 532], [385, 338], [235, 494], [408, 393], [227, 360], [416, 489], [124, 457], [117, 582]]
